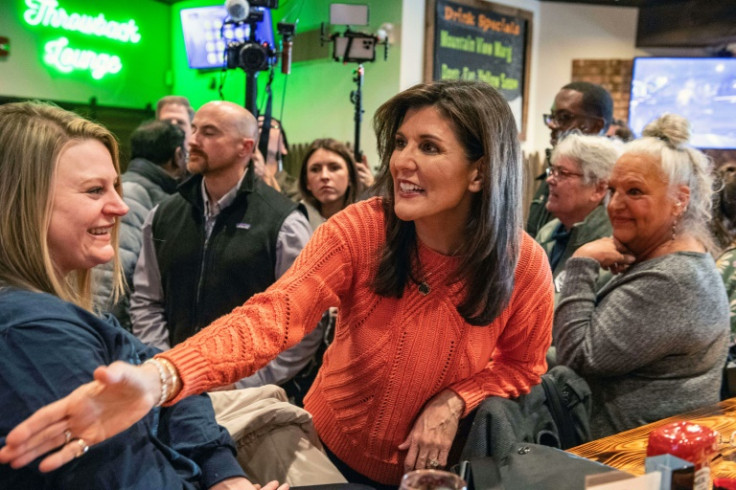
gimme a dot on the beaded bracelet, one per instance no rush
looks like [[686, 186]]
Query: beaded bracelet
[[172, 374], [164, 381]]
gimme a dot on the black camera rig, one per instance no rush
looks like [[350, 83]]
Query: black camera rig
[[250, 55], [253, 55]]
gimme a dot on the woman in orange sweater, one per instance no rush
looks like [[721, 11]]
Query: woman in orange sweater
[[443, 301]]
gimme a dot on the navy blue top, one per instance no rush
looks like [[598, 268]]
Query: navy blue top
[[49, 347]]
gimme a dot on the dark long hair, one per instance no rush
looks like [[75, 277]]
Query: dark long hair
[[485, 126], [329, 144]]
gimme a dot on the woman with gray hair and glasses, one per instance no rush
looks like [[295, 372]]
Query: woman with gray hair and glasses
[[652, 342], [578, 184]]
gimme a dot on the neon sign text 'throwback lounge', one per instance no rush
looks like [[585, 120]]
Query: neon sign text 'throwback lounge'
[[60, 54]]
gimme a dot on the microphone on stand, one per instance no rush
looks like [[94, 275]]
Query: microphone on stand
[[238, 10]]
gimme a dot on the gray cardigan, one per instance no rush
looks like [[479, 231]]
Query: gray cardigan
[[651, 344]]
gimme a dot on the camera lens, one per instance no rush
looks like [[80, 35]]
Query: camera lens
[[253, 57]]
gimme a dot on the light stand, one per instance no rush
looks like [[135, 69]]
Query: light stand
[[356, 97], [356, 47]]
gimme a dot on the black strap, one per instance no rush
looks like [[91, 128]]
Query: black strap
[[561, 416]]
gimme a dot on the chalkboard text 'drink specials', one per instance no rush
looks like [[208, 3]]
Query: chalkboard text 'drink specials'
[[477, 43]]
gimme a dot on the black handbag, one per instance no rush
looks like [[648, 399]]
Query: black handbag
[[530, 467]]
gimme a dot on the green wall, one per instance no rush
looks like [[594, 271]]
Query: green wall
[[316, 102], [145, 65]]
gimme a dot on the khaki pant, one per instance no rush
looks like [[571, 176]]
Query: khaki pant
[[276, 440]]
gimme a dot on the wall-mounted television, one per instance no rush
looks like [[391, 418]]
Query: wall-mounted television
[[701, 89], [685, 23], [206, 34]]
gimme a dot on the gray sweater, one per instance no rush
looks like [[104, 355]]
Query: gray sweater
[[651, 344]]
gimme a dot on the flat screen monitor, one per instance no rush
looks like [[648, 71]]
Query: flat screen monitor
[[703, 90], [206, 33]]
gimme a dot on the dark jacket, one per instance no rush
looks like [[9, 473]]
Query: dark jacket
[[538, 214], [48, 348], [145, 185], [557, 415], [204, 278], [596, 225]]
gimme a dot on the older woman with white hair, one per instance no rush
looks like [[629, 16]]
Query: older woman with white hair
[[652, 342], [578, 184]]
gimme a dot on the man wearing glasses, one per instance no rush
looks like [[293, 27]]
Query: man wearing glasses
[[579, 106]]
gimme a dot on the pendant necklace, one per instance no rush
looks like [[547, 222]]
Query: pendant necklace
[[423, 285]]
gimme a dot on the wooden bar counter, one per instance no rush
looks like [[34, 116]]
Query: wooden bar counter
[[627, 450]]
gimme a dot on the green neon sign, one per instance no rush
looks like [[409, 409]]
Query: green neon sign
[[59, 54], [66, 59], [48, 13]]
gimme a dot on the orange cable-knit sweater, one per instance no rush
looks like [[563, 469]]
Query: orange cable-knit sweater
[[389, 356]]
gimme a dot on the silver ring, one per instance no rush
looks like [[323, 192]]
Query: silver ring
[[433, 464], [83, 447], [67, 436]]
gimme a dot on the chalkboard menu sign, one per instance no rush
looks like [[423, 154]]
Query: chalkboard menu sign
[[477, 40]]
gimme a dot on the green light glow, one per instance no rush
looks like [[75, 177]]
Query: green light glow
[[67, 59], [47, 13]]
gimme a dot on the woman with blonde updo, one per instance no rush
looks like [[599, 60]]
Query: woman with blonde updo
[[652, 342]]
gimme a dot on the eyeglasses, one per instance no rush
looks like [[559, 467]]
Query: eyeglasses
[[558, 173], [564, 118]]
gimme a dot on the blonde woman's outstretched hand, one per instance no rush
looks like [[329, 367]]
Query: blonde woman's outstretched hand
[[120, 395]]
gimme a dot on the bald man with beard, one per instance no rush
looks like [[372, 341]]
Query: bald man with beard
[[223, 237]]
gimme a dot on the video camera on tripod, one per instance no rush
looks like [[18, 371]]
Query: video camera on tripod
[[254, 55]]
